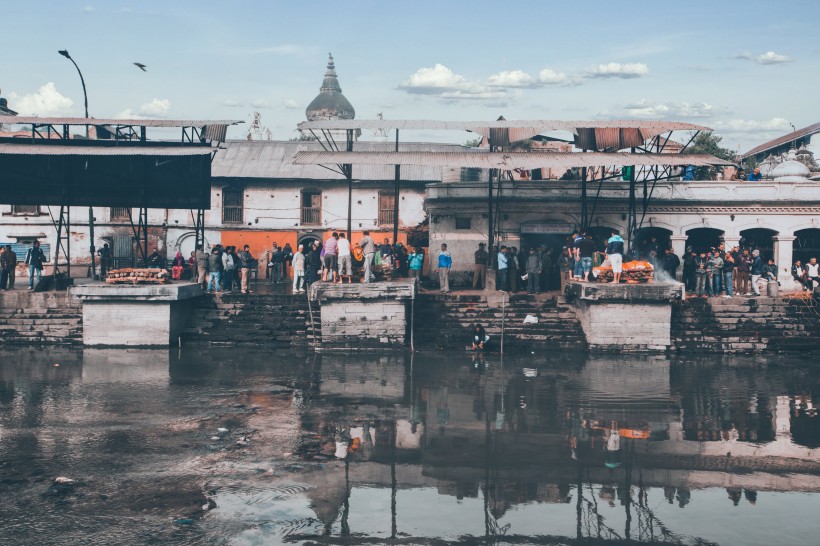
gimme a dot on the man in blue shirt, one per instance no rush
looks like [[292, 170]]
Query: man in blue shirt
[[755, 176], [502, 269], [615, 253], [445, 261]]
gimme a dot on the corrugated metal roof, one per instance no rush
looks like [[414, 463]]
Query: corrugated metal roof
[[504, 160], [785, 139], [526, 126], [51, 150], [29, 120], [274, 159]]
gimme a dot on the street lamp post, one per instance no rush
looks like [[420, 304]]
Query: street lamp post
[[64, 53]]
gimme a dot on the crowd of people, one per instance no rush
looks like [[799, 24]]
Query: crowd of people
[[222, 269]]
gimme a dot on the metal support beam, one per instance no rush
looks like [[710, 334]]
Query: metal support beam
[[632, 219], [93, 249], [63, 226], [140, 234], [490, 237], [396, 197], [199, 228], [349, 175]]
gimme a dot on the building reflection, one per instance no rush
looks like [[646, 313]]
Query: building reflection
[[591, 433]]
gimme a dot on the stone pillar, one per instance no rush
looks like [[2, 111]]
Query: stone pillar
[[731, 241], [679, 248], [783, 247]]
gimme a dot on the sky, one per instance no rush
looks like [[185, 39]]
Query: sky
[[748, 69]]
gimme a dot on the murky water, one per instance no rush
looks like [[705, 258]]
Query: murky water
[[239, 447]]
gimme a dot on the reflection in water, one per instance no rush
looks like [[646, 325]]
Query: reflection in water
[[417, 447]]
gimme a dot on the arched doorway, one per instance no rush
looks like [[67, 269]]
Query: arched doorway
[[307, 239], [806, 245], [703, 239], [644, 240], [758, 239]]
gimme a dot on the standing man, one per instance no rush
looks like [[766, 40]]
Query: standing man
[[277, 262], [671, 263], [586, 249], [615, 253], [445, 262], [743, 266], [756, 271], [331, 258], [689, 268], [415, 262], [480, 268], [369, 249], [201, 266], [245, 263], [228, 269], [214, 269], [105, 257], [4, 268], [502, 269], [345, 260], [35, 260], [287, 258], [533, 269], [299, 270]]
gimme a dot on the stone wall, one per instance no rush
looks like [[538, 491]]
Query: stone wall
[[362, 316], [626, 327], [352, 324]]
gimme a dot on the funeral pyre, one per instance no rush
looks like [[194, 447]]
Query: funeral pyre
[[633, 272], [128, 275]]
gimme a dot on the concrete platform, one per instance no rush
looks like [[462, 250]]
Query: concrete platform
[[625, 317], [363, 316], [146, 315]]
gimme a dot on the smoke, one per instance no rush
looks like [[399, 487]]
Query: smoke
[[662, 277]]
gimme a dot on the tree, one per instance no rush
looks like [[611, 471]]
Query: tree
[[708, 143]]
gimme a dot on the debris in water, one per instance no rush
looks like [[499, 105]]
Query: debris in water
[[185, 521], [56, 365], [215, 438], [222, 430], [243, 441], [62, 480]]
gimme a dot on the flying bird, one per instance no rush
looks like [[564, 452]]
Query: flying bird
[[141, 66]]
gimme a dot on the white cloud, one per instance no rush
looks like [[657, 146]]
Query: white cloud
[[88, 9], [47, 101], [750, 125], [648, 109], [511, 78], [231, 103], [290, 104], [549, 76], [442, 82], [157, 107], [260, 103], [770, 57], [617, 70]]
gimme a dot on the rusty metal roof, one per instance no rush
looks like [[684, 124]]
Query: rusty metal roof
[[33, 120], [784, 140], [274, 159], [111, 151], [537, 125], [504, 160]]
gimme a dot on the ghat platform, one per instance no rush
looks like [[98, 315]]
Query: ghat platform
[[625, 317]]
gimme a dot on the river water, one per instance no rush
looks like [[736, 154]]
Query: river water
[[240, 447]]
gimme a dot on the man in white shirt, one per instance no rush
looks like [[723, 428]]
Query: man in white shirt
[[229, 270], [345, 263], [813, 272]]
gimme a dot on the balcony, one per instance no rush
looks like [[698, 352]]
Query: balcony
[[311, 216]]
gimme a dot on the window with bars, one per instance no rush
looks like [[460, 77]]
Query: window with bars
[[311, 208], [25, 210], [119, 213], [232, 205], [387, 205]]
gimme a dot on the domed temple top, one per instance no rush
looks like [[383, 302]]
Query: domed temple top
[[790, 170], [330, 103]]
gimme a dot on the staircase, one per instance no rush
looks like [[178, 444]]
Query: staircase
[[744, 325], [33, 318], [271, 320], [443, 321]]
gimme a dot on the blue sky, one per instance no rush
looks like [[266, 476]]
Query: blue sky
[[745, 68]]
